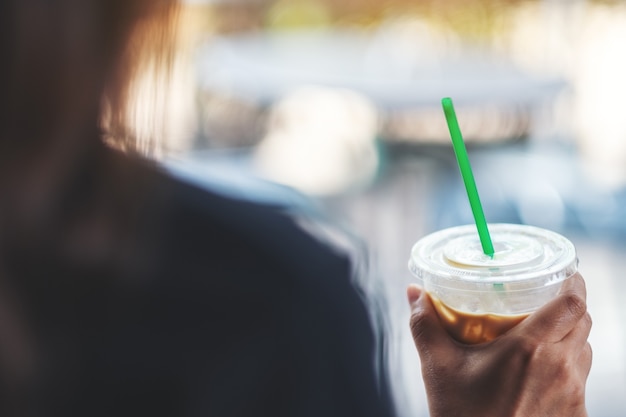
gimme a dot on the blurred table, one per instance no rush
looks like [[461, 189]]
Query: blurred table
[[404, 70]]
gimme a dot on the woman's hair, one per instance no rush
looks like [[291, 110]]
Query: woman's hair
[[132, 120], [71, 64]]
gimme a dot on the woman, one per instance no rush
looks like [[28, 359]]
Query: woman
[[126, 292]]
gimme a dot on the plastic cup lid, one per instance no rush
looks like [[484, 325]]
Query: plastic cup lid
[[527, 255]]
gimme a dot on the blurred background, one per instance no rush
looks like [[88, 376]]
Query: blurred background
[[340, 101]]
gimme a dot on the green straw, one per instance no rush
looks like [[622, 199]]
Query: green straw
[[468, 176]]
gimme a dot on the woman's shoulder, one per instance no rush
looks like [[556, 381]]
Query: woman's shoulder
[[249, 285], [193, 223]]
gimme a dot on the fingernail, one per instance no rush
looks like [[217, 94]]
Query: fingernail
[[413, 293]]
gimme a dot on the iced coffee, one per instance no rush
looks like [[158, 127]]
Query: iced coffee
[[479, 297]]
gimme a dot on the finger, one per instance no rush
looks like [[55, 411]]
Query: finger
[[580, 333], [576, 284], [585, 360], [576, 340], [552, 322], [428, 334]]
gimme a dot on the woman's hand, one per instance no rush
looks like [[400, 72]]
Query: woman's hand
[[538, 368]]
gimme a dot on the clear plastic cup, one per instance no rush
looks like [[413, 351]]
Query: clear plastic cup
[[478, 297]]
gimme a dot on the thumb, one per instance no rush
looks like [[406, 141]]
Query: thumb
[[429, 336], [556, 319]]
